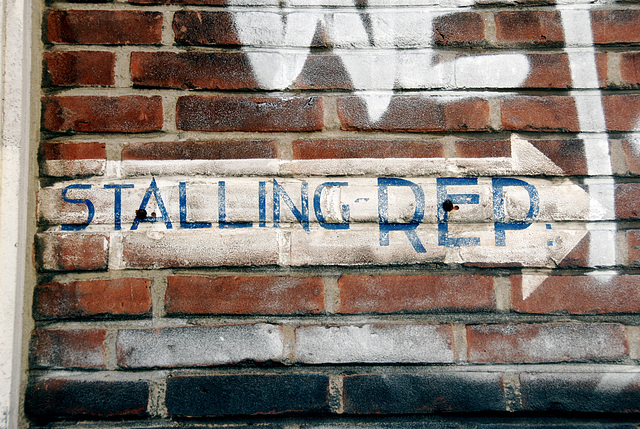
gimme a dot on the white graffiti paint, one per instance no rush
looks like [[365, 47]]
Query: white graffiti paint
[[367, 45], [584, 74]]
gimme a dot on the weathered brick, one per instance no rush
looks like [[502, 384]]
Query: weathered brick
[[621, 111], [576, 294], [630, 69], [121, 298], [104, 27], [631, 149], [96, 114], [416, 114], [72, 251], [461, 28], [244, 295], [68, 159], [390, 425], [599, 392], [360, 148], [257, 114], [374, 344], [483, 149], [633, 247], [548, 71], [72, 151], [579, 255], [192, 70], [79, 68], [423, 393], [199, 346], [78, 348], [569, 155], [205, 248], [204, 28], [627, 200], [59, 398], [529, 343], [548, 113], [247, 394], [323, 72], [615, 26], [189, 150], [529, 28], [390, 293], [193, 2], [555, 424]]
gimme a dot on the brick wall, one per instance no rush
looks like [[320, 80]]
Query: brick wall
[[322, 213]]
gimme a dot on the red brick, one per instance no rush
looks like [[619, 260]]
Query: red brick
[[72, 150], [126, 297], [232, 149], [548, 71], [569, 155], [633, 247], [579, 295], [204, 28], [192, 70], [628, 201], [579, 255], [72, 159], [79, 348], [257, 114], [359, 148], [529, 343], [553, 113], [59, 398], [621, 111], [104, 27], [81, 68], [127, 114], [323, 72], [483, 149], [583, 392], [391, 293], [244, 295], [631, 150], [630, 69], [615, 26], [72, 251], [417, 114], [529, 28], [192, 2], [461, 28]]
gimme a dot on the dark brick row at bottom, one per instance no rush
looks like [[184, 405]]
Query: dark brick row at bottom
[[362, 394]]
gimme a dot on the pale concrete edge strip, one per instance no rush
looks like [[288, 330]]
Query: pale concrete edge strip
[[15, 105]]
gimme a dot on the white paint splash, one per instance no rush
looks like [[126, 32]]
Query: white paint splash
[[374, 73], [584, 75]]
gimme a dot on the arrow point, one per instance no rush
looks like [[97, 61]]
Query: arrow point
[[527, 159], [530, 284]]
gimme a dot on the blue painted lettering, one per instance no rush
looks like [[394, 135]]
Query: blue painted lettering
[[344, 209], [301, 215], [85, 201], [499, 211], [383, 213], [152, 190], [443, 216]]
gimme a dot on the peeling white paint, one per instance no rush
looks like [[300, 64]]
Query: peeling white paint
[[584, 74]]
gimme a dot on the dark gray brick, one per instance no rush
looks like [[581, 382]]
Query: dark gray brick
[[423, 393], [78, 399], [247, 394], [585, 392]]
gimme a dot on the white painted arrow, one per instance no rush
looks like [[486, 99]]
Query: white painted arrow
[[525, 160]]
